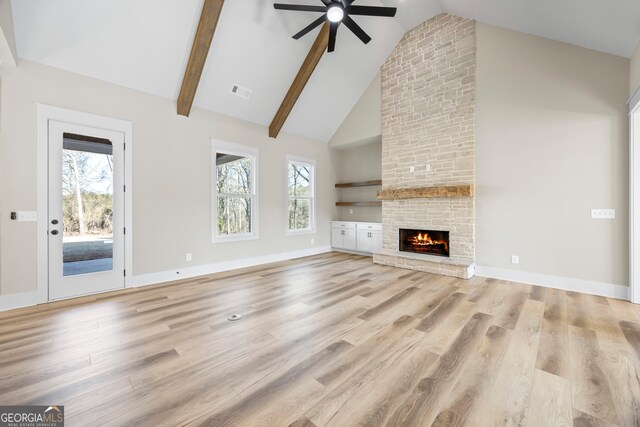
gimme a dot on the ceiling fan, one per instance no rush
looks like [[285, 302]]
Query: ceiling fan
[[338, 12]]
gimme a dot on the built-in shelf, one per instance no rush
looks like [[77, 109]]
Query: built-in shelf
[[360, 204], [426, 192], [359, 184], [371, 183]]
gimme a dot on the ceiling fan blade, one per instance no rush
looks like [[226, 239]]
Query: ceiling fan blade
[[310, 27], [333, 31], [372, 11], [299, 7], [356, 29]]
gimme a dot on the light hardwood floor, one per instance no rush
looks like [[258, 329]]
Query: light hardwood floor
[[330, 340]]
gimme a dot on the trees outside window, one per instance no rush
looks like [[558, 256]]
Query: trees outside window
[[234, 193], [87, 192], [300, 195]]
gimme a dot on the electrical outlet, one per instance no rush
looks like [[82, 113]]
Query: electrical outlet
[[412, 168], [515, 259], [428, 168], [313, 240], [603, 213], [188, 257], [350, 211]]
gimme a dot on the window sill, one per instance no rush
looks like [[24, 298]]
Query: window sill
[[230, 239], [300, 232]]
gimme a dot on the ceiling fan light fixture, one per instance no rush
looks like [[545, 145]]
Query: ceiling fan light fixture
[[338, 12], [335, 14]]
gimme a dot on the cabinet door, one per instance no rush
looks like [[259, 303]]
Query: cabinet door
[[337, 239], [349, 239], [364, 241], [376, 241]]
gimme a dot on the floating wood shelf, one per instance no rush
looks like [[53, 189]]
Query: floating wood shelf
[[426, 192], [361, 204], [359, 184]]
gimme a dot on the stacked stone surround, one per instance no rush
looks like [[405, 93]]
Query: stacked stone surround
[[428, 118]]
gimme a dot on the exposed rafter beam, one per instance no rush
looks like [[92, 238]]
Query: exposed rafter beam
[[201, 45], [308, 66]]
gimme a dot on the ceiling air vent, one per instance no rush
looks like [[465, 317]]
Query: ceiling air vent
[[242, 92]]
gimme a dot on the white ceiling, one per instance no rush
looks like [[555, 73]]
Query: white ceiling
[[144, 44]]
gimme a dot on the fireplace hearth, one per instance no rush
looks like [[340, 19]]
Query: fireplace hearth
[[429, 242]]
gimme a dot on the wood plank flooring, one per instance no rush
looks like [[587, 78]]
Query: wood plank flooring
[[329, 340]]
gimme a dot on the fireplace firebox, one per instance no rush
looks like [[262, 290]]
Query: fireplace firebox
[[431, 242]]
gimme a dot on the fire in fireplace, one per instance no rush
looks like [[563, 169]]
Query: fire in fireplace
[[430, 242]]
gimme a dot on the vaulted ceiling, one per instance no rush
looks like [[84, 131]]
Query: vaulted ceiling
[[145, 45]]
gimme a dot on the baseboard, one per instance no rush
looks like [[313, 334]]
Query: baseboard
[[203, 270], [604, 289], [19, 300]]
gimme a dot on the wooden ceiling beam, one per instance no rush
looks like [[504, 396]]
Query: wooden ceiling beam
[[199, 51], [308, 66]]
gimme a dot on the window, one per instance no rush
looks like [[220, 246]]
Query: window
[[235, 192], [301, 195]]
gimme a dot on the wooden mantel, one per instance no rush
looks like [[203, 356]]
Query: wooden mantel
[[426, 192]]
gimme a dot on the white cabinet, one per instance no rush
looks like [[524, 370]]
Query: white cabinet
[[369, 241], [343, 235], [358, 236]]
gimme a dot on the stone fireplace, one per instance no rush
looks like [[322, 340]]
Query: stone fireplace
[[428, 146]]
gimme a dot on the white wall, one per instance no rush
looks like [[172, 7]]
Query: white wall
[[171, 178], [354, 164], [7, 36], [363, 124], [552, 143], [634, 80]]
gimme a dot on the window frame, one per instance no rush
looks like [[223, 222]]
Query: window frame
[[311, 163], [252, 153]]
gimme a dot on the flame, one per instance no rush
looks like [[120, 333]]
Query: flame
[[426, 240]]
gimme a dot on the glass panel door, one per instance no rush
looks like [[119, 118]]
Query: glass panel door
[[86, 210]]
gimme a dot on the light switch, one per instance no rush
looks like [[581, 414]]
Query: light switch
[[603, 213], [27, 216]]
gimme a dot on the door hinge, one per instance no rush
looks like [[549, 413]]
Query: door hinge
[[124, 146], [124, 230], [124, 272], [124, 188]]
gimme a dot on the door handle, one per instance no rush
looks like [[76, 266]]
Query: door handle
[[54, 221], [54, 232]]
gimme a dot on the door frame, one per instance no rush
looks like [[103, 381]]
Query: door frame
[[46, 113], [634, 197]]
